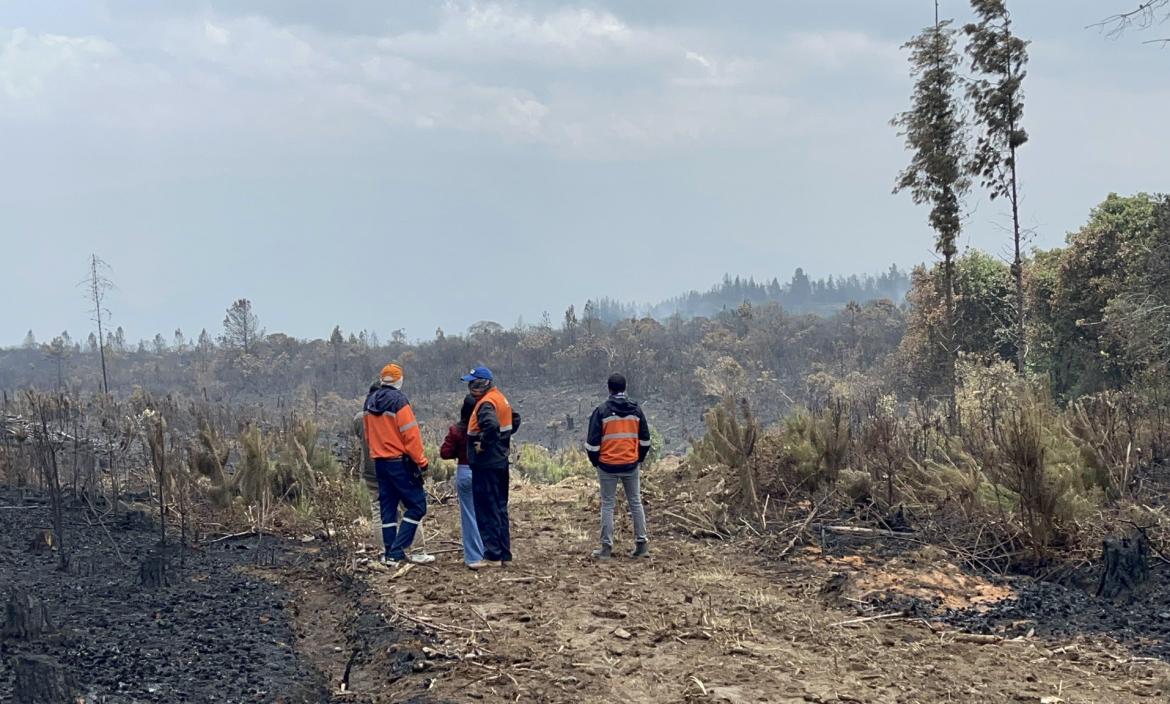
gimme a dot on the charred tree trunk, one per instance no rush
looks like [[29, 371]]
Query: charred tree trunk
[[26, 617], [155, 572], [1124, 565], [41, 680]]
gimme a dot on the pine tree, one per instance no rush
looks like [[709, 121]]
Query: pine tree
[[934, 131], [998, 58], [336, 340], [241, 327]]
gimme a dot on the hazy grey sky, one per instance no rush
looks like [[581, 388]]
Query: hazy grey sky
[[408, 164]]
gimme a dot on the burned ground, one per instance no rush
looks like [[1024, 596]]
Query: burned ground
[[853, 620], [221, 633]]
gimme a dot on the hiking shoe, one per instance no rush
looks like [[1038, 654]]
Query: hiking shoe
[[390, 561], [640, 550], [420, 558], [603, 553]]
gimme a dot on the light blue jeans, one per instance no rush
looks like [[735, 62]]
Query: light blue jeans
[[472, 544], [631, 485]]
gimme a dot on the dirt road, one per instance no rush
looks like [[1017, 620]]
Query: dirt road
[[698, 622]]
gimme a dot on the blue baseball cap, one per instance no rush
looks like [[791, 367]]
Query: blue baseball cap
[[478, 373]]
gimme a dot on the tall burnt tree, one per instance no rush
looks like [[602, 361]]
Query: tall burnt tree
[[97, 285], [998, 60], [935, 136]]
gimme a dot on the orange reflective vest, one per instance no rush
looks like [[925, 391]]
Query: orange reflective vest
[[392, 431], [619, 440], [503, 412]]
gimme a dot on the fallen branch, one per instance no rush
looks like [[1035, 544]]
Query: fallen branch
[[483, 618], [978, 638], [881, 532], [429, 624], [696, 526], [245, 534], [812, 514], [867, 619]]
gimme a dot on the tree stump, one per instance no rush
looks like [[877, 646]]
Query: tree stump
[[41, 680], [1124, 564], [155, 572], [136, 520], [26, 617], [81, 567], [43, 542]]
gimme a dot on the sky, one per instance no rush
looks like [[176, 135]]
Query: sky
[[401, 164]]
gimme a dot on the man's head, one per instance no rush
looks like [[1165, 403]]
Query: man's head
[[617, 384], [391, 375], [479, 380]]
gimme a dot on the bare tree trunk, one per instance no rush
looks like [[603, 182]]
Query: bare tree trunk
[[952, 350], [1018, 270]]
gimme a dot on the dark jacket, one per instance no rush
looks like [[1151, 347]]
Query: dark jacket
[[617, 407], [490, 450], [454, 446]]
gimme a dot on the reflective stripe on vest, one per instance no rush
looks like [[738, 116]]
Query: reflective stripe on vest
[[619, 440], [503, 412]]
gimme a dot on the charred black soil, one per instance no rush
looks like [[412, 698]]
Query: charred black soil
[[222, 632]]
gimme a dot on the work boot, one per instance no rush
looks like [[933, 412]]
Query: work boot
[[603, 553], [420, 558], [641, 549]]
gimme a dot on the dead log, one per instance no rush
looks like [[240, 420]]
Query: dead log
[[155, 572], [1124, 564], [26, 617], [41, 680]]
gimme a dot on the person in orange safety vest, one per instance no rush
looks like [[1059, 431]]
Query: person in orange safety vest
[[396, 446], [617, 444], [489, 439]]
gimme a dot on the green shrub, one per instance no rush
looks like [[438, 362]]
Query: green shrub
[[539, 464]]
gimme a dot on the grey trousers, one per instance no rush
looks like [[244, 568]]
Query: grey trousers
[[632, 486]]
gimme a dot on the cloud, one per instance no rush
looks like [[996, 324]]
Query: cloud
[[580, 81], [472, 32], [31, 64], [841, 49]]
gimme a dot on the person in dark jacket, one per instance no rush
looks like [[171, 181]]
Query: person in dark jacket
[[395, 441], [454, 447], [489, 440], [617, 444]]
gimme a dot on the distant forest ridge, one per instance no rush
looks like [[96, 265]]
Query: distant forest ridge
[[798, 295]]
